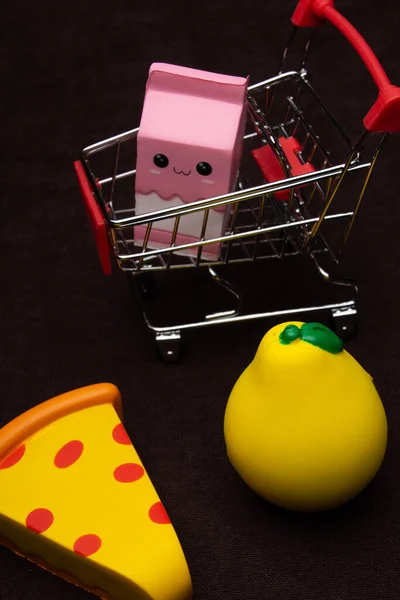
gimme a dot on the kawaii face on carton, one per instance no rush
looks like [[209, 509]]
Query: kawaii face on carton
[[188, 144], [172, 169]]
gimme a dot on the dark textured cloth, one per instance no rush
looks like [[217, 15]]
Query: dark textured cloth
[[73, 73]]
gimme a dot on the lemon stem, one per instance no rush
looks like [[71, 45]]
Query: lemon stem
[[312, 333], [290, 334]]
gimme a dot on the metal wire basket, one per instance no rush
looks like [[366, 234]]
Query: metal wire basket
[[298, 164]]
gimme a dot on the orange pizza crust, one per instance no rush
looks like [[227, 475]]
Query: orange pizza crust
[[21, 428]]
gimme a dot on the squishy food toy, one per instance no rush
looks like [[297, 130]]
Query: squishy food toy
[[304, 425], [189, 148], [76, 500]]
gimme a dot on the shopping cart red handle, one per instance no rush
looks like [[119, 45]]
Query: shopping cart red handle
[[95, 218], [384, 116]]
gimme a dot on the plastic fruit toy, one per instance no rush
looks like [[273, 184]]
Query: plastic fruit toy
[[304, 425]]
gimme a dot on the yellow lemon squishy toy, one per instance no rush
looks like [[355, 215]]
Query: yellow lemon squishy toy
[[304, 425]]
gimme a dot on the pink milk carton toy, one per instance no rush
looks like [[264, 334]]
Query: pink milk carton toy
[[189, 148]]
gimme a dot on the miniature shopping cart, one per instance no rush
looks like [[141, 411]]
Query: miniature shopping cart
[[298, 164]]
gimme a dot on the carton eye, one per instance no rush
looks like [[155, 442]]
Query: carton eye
[[204, 168], [161, 161]]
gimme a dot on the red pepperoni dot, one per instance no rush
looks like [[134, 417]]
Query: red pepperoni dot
[[39, 520], [68, 454], [13, 458], [88, 544], [128, 472], [120, 436], [158, 514]]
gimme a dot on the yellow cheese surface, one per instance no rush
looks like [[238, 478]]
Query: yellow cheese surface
[[76, 494]]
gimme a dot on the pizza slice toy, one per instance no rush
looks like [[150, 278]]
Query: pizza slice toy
[[76, 499]]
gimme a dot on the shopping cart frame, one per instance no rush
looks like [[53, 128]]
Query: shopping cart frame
[[296, 227]]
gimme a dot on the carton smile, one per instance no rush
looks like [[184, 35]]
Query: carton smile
[[181, 172]]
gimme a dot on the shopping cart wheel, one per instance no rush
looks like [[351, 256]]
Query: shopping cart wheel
[[345, 321], [169, 345]]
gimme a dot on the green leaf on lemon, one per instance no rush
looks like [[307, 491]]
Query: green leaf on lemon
[[313, 333]]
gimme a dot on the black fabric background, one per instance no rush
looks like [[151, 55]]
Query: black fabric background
[[73, 73]]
